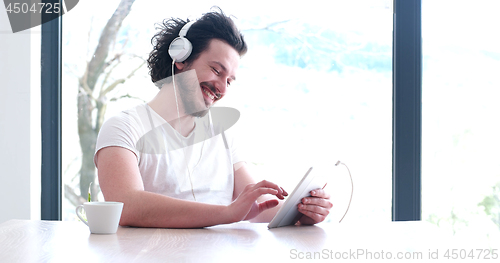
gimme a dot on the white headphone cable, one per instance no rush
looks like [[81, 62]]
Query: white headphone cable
[[352, 189], [180, 131]]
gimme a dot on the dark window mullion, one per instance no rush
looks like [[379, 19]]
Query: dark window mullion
[[51, 115], [407, 110]]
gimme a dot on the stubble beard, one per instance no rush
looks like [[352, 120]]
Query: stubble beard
[[190, 93]]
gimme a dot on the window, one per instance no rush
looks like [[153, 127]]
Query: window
[[314, 88], [460, 168]]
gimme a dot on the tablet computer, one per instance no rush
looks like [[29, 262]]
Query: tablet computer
[[288, 213]]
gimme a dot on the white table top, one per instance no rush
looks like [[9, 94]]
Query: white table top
[[55, 241]]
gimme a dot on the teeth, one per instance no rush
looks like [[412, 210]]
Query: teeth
[[209, 94]]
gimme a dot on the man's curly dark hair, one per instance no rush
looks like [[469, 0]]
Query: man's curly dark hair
[[212, 25]]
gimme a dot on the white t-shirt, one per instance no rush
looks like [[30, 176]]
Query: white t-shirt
[[167, 159]]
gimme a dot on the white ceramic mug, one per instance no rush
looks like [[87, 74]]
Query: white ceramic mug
[[102, 217]]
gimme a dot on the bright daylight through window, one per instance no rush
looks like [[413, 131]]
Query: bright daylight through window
[[460, 91], [315, 87]]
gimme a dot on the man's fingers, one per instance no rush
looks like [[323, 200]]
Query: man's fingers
[[246, 202], [280, 192], [264, 190], [315, 217], [266, 183], [285, 193], [251, 195], [314, 208], [316, 213], [320, 193], [268, 204], [317, 201]]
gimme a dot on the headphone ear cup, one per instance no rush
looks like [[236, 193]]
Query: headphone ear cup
[[180, 49]]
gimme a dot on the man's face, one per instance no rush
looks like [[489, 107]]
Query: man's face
[[215, 70]]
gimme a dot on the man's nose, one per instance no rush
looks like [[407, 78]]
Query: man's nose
[[220, 88]]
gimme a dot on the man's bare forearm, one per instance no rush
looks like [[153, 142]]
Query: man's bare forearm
[[146, 209]]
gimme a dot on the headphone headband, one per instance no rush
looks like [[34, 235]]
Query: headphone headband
[[185, 29]]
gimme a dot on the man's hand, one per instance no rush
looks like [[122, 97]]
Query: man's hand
[[315, 208], [246, 207]]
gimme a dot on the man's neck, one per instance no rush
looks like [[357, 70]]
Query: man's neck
[[164, 103]]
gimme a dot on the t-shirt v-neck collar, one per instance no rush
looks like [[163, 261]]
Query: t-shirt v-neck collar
[[156, 118]]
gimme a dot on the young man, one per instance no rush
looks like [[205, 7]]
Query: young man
[[167, 161]]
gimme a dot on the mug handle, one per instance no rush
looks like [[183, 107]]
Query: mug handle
[[78, 214]]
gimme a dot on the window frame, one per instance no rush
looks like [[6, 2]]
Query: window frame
[[51, 70], [407, 113]]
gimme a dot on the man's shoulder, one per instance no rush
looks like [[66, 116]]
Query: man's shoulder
[[131, 123], [122, 129], [132, 116]]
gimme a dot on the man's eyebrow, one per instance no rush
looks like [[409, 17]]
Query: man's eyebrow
[[223, 68]]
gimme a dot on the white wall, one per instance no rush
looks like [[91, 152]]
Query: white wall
[[20, 138]]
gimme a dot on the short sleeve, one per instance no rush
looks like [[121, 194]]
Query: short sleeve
[[121, 130]]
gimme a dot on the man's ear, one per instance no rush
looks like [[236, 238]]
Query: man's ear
[[180, 65]]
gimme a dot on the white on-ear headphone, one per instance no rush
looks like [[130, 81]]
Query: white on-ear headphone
[[180, 48]]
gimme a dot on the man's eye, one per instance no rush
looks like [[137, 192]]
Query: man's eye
[[216, 71]]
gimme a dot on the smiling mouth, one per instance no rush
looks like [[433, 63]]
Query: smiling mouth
[[213, 96]]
